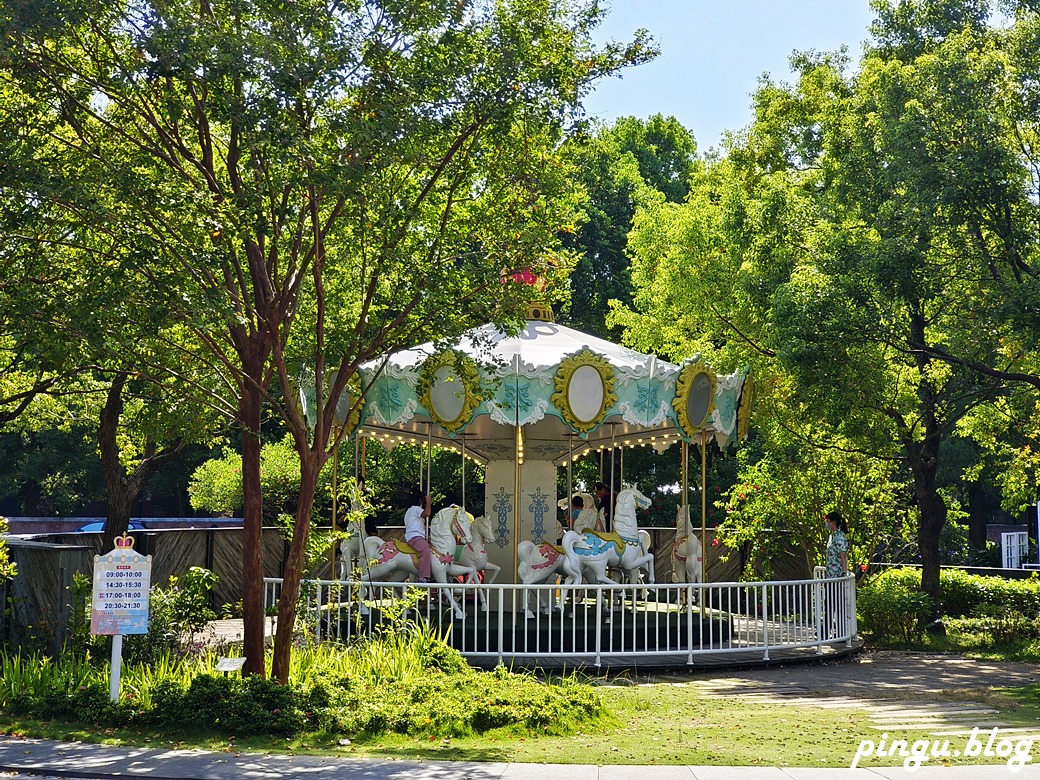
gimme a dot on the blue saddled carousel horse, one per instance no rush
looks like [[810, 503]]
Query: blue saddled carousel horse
[[625, 548]]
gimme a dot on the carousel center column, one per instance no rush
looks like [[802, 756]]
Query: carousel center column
[[537, 508]]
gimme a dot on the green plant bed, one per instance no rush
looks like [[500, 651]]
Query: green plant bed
[[980, 612], [405, 682]]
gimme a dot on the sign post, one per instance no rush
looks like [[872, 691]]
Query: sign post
[[122, 579]]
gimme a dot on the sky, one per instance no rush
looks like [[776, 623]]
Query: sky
[[712, 54]]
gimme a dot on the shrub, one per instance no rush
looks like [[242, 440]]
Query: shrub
[[965, 594], [999, 608], [176, 614], [891, 606]]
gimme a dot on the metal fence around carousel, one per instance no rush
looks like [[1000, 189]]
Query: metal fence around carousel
[[616, 626]]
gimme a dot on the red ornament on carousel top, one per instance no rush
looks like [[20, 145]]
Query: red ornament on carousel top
[[536, 310]]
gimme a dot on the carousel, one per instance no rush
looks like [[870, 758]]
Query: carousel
[[524, 407]]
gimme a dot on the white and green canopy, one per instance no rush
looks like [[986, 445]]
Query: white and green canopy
[[568, 391]]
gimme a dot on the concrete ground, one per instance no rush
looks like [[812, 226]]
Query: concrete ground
[[900, 691], [869, 674]]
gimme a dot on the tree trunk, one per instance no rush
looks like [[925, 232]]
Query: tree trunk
[[252, 522], [310, 465], [118, 498], [123, 489], [976, 516], [924, 463]]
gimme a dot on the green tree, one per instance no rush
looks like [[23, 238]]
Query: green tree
[[861, 241], [617, 165], [304, 188], [778, 505]]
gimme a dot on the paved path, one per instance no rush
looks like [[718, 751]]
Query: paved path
[[869, 675], [894, 688]]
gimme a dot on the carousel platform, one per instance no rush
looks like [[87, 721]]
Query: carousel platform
[[579, 633]]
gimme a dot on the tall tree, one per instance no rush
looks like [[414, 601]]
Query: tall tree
[[305, 187], [871, 238], [616, 166]]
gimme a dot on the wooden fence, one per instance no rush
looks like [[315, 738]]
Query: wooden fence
[[39, 597]]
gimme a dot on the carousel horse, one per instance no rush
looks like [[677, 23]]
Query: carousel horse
[[350, 551], [686, 553], [588, 518], [474, 553], [623, 548], [538, 563], [394, 558]]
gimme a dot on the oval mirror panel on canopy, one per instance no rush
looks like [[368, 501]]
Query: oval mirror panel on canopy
[[694, 398], [345, 418], [447, 394], [584, 390], [585, 393], [449, 385]]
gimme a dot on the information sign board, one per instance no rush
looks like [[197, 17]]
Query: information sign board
[[120, 598]]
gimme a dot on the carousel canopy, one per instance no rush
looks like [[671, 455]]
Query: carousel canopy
[[567, 392]]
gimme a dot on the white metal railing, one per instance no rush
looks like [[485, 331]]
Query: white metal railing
[[614, 625]]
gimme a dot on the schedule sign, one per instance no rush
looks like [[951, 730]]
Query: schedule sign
[[120, 601]]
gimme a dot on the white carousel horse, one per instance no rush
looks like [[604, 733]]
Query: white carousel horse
[[389, 560], [624, 548], [474, 553], [687, 552], [538, 563], [589, 518], [350, 551]]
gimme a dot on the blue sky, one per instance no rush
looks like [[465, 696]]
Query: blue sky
[[712, 53]]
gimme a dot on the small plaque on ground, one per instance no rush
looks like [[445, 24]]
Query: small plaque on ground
[[230, 664]]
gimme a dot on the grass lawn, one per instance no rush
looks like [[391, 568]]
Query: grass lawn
[[648, 724]]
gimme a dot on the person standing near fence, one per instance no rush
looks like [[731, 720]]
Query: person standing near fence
[[837, 553], [836, 556]]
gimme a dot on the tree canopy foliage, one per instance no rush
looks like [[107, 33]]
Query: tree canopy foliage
[[868, 244], [294, 190]]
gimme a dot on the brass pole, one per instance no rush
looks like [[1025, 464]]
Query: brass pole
[[335, 491], [568, 521], [429, 459], [704, 508], [685, 477], [335, 485], [517, 454]]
